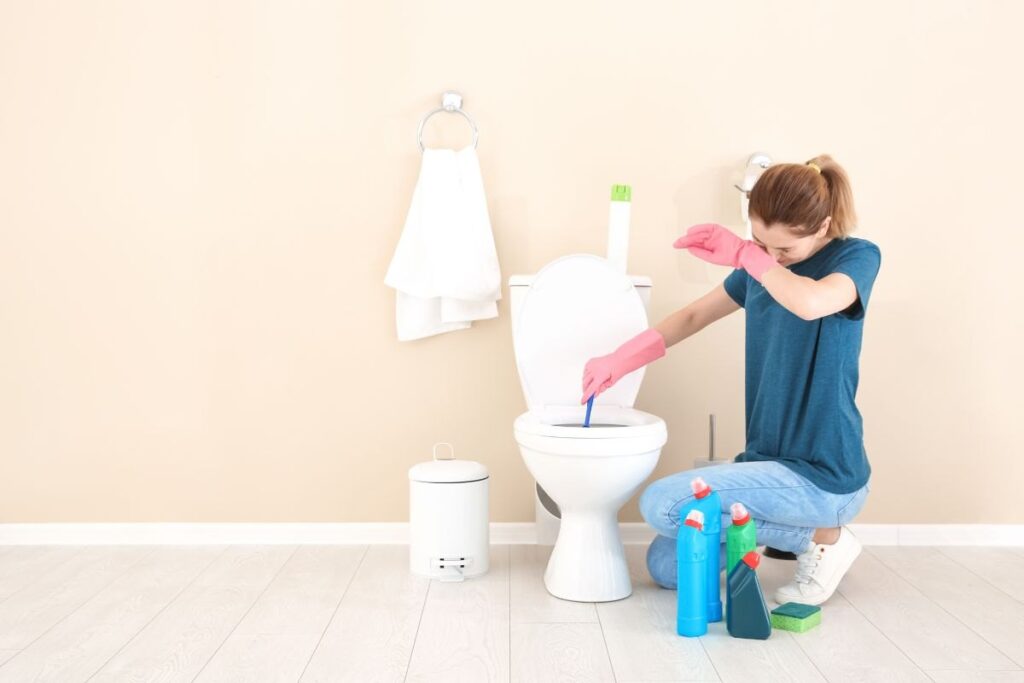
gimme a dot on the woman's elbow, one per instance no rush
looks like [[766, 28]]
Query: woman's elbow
[[810, 309], [813, 309]]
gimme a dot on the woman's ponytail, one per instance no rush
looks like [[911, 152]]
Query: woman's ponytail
[[844, 217]]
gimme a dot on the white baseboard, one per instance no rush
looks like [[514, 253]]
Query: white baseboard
[[515, 533], [940, 534]]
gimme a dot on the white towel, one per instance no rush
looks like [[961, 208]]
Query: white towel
[[445, 267]]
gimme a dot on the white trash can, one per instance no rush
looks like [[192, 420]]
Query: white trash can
[[449, 533]]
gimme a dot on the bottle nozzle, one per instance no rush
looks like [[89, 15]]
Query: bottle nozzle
[[752, 559], [695, 519], [740, 515], [700, 487]]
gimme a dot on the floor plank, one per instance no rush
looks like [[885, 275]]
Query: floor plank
[[640, 632], [465, 631], [552, 653], [371, 635], [923, 630], [176, 644], [850, 648], [279, 634], [22, 565], [79, 645], [990, 612], [531, 602], [977, 676], [1001, 567], [56, 593], [779, 658], [846, 646]]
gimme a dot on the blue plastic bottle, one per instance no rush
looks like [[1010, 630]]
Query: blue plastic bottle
[[691, 576], [708, 502]]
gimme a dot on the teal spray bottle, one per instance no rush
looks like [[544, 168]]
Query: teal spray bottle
[[746, 614]]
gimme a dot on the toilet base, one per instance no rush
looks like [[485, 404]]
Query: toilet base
[[588, 562]]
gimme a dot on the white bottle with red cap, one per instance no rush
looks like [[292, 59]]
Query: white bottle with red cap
[[708, 502]]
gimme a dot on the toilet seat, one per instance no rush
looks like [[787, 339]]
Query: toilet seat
[[552, 421], [637, 432]]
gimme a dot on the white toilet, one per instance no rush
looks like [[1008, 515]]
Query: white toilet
[[575, 308]]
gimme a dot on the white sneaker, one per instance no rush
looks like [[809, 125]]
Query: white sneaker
[[819, 570]]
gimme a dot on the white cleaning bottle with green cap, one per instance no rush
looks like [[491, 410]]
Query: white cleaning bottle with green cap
[[618, 227]]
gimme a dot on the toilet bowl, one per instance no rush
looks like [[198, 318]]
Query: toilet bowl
[[576, 308]]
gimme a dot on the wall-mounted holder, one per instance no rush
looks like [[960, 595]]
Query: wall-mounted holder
[[756, 165], [451, 102]]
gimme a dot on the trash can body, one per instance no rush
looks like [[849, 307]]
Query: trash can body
[[449, 534]]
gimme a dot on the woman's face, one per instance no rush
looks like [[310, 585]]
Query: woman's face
[[786, 247]]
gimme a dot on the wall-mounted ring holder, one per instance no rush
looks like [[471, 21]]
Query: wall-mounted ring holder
[[451, 102]]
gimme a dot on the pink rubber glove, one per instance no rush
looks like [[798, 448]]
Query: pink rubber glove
[[602, 372], [717, 244]]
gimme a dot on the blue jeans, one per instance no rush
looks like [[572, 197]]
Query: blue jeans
[[785, 507]]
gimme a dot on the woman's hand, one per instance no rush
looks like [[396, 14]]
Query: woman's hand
[[716, 244], [599, 374]]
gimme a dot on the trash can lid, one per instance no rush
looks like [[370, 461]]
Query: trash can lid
[[447, 471]]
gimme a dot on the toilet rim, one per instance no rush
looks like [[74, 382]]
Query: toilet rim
[[630, 423]]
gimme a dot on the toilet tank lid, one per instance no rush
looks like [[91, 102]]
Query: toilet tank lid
[[447, 471], [527, 280]]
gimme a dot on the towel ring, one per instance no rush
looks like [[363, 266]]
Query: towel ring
[[451, 101]]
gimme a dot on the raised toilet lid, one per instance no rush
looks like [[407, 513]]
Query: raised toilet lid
[[577, 307]]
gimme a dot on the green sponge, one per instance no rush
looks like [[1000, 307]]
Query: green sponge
[[796, 617]]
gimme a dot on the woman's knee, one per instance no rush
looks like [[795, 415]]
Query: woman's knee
[[656, 503], [852, 508], [661, 561], [668, 494]]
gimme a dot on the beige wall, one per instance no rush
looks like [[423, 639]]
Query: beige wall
[[198, 202]]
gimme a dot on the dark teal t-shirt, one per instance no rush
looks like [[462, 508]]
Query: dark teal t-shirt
[[802, 374]]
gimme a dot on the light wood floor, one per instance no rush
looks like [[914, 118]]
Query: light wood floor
[[353, 613]]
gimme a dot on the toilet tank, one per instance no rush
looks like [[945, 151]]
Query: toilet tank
[[519, 284]]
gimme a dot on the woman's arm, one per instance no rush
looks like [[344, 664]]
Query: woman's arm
[[602, 372], [807, 298], [697, 315]]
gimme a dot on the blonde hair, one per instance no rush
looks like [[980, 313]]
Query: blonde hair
[[802, 196]]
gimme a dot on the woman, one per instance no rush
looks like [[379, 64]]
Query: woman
[[805, 285]]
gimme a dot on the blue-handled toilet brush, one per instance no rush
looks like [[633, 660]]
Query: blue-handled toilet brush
[[590, 406]]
